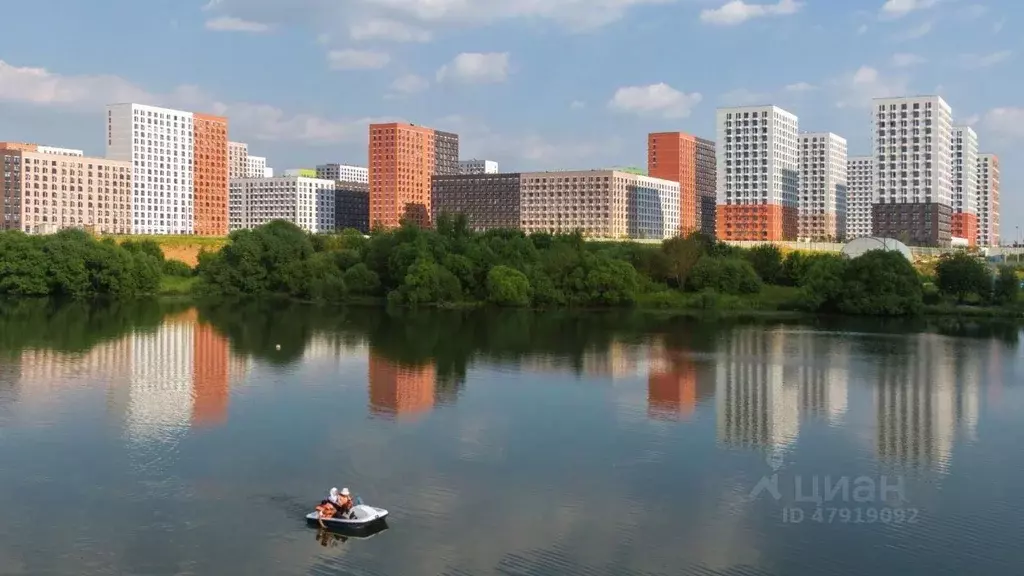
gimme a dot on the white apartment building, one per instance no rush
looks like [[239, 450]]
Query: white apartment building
[[988, 200], [238, 157], [60, 151], [256, 167], [475, 166], [344, 173], [652, 207], [307, 202], [964, 152], [823, 187], [860, 172], [914, 168], [268, 172], [757, 177], [158, 142]]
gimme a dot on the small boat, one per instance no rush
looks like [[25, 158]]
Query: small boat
[[359, 517]]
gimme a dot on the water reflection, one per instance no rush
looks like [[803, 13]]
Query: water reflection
[[400, 390]]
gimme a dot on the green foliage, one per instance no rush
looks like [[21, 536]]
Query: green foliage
[[508, 287], [823, 283], [881, 283], [681, 256], [725, 276], [767, 262], [73, 264], [1007, 288], [963, 277]]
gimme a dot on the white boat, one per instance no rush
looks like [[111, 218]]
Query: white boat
[[358, 517]]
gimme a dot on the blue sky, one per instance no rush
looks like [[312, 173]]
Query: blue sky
[[532, 84]]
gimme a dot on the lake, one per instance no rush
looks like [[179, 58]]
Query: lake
[[156, 438]]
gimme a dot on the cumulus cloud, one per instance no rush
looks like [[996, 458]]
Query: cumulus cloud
[[893, 9], [231, 24], [737, 12], [410, 84], [1007, 122], [357, 59], [905, 60], [654, 99], [984, 60], [476, 67], [41, 87], [856, 89], [383, 29], [919, 31], [577, 105], [800, 87]]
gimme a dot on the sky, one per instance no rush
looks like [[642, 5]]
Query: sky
[[532, 84]]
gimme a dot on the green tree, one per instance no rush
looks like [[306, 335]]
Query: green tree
[[681, 255], [725, 276], [508, 287], [767, 262], [1007, 288], [360, 280], [823, 284], [881, 283], [963, 277]]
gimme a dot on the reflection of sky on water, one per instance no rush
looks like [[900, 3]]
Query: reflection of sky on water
[[641, 464]]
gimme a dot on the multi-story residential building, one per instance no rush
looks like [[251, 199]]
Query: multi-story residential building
[[860, 171], [304, 172], [964, 151], [823, 187], [343, 172], [352, 206], [60, 151], [757, 174], [403, 158], [238, 160], [307, 202], [256, 167], [488, 201], [690, 161], [913, 170], [475, 166], [598, 203], [268, 172], [988, 199], [44, 191], [162, 146]]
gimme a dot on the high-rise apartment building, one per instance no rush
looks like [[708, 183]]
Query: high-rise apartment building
[[988, 199], [600, 203], [306, 202], [823, 187], [343, 172], [403, 158], [352, 206], [913, 170], [488, 201], [238, 160], [690, 161], [45, 191], [757, 174], [162, 146], [475, 166], [964, 151], [860, 172], [256, 167]]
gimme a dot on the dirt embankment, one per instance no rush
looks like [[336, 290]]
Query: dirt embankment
[[183, 248]]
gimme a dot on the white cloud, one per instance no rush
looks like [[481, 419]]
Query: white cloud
[[387, 30], [738, 12], [89, 94], [1007, 122], [893, 9], [654, 99], [984, 60], [410, 84], [919, 31], [906, 60], [800, 87], [972, 120], [577, 105], [476, 67], [856, 89], [231, 24], [357, 59]]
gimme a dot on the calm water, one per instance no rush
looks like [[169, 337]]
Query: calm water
[[152, 440]]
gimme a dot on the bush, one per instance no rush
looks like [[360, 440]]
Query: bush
[[725, 276], [881, 283], [963, 277], [508, 287], [767, 262], [1007, 288]]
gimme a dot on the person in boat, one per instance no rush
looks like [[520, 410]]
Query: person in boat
[[325, 510], [342, 500]]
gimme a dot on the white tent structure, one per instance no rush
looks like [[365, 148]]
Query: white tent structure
[[859, 246]]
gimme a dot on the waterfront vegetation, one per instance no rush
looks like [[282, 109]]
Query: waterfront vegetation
[[454, 267]]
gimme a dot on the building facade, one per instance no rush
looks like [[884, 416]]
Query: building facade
[[860, 171], [60, 151], [210, 175], [343, 172], [488, 201], [238, 160], [988, 199], [256, 167], [690, 161], [352, 206], [306, 202], [823, 187], [757, 174], [913, 170], [964, 151], [403, 158], [44, 192], [653, 207], [475, 166]]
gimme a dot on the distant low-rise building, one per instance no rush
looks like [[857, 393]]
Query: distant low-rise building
[[343, 172], [307, 202], [475, 166]]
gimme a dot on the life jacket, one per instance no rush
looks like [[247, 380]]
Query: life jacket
[[326, 510]]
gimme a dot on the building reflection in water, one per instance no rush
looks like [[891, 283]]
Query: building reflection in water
[[676, 382], [924, 400], [822, 373], [756, 404], [399, 390]]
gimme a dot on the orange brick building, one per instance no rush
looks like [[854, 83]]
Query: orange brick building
[[402, 159], [689, 160], [398, 390], [210, 176]]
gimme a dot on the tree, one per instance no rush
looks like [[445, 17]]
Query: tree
[[682, 255], [1007, 289], [508, 287], [822, 285], [881, 283], [726, 276], [964, 277], [767, 262]]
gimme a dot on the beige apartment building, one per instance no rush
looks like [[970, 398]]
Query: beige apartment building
[[593, 201], [44, 192]]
